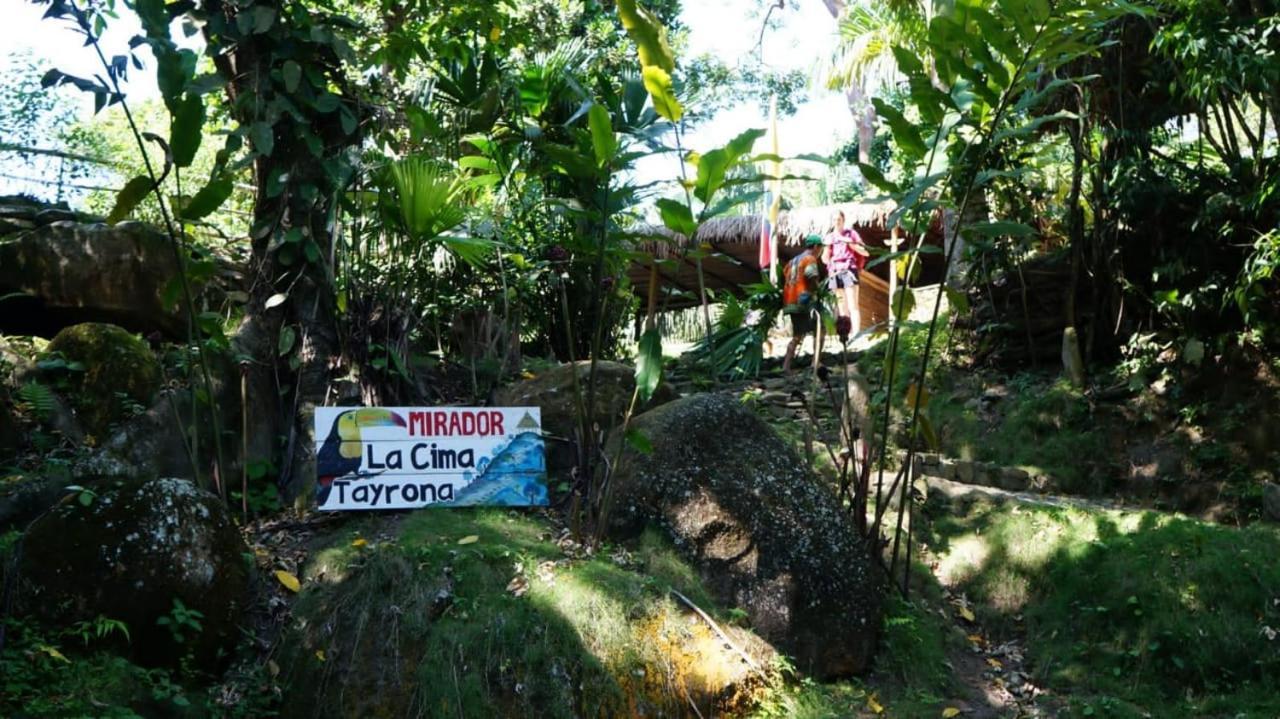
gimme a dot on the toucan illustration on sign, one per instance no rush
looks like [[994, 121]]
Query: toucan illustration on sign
[[343, 451]]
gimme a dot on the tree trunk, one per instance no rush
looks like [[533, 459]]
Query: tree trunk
[[293, 346]]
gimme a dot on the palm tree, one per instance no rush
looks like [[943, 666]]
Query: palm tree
[[863, 62]]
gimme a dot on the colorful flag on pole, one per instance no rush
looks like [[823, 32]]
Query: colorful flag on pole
[[772, 198]]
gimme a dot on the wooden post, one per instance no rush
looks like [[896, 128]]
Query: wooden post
[[894, 242]]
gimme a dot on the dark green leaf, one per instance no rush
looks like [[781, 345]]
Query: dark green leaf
[[904, 132], [263, 17], [128, 198], [904, 301], [639, 441], [677, 217], [186, 128], [348, 120], [649, 364], [1000, 229], [288, 336], [292, 73], [958, 300], [262, 137], [877, 178], [208, 198], [602, 140]]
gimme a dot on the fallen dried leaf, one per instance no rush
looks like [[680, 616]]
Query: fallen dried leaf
[[995, 663], [874, 705], [469, 539], [967, 614], [289, 581], [360, 542], [320, 654], [518, 585], [950, 712], [273, 668]]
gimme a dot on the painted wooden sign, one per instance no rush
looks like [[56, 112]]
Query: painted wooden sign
[[406, 457]]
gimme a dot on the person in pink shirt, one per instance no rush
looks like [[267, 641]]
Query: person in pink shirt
[[845, 255]]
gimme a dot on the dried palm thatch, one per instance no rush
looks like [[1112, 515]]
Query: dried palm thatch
[[793, 227]]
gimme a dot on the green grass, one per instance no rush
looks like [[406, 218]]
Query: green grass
[[1128, 612], [603, 637], [1045, 426], [911, 677]]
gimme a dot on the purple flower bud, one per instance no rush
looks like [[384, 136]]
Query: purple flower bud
[[844, 326], [606, 283], [556, 253]]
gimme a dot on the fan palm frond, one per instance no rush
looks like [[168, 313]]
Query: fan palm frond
[[429, 198]]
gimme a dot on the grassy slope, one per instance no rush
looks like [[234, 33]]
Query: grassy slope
[[1133, 613]]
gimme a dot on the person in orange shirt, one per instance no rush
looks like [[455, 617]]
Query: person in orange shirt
[[802, 278]]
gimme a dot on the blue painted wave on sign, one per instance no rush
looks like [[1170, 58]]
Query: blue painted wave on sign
[[514, 477]]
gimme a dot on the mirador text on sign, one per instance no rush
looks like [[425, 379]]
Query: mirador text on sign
[[406, 457]]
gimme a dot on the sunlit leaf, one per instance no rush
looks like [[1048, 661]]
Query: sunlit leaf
[[289, 581], [602, 140], [649, 35], [658, 83], [676, 216]]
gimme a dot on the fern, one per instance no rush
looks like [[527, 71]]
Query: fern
[[38, 397]]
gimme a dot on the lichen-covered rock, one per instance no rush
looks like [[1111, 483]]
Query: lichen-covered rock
[[552, 390], [119, 369], [765, 535], [130, 554], [77, 272]]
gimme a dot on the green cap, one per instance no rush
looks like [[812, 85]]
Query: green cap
[[812, 240]]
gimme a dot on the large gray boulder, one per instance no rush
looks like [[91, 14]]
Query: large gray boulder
[[76, 272], [132, 553], [765, 535]]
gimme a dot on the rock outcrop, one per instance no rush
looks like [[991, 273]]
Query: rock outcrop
[[763, 533], [73, 268], [136, 553]]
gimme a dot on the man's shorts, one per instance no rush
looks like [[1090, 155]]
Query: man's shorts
[[802, 322], [842, 279]]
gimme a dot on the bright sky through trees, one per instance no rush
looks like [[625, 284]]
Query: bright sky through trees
[[798, 36]]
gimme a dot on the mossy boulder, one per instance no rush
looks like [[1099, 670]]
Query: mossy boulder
[[115, 370], [132, 552], [765, 534], [480, 614]]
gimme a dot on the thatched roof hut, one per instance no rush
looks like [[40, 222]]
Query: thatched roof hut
[[734, 244]]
